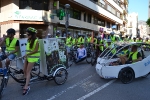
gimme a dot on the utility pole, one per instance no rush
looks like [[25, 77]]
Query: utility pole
[[67, 6]]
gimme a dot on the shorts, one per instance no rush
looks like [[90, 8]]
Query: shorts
[[10, 57]]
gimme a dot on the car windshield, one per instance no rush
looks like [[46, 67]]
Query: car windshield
[[114, 49]]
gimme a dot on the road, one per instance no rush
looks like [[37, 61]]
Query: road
[[83, 84]]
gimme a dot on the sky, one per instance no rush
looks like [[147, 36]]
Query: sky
[[140, 7]]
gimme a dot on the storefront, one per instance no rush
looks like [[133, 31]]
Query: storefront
[[23, 28], [74, 31]]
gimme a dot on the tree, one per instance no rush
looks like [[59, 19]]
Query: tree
[[148, 22]]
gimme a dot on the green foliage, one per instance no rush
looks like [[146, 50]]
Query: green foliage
[[148, 22]]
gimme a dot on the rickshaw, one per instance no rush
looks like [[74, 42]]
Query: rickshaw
[[52, 65], [125, 72]]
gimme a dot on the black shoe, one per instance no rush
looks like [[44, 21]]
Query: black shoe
[[26, 91]]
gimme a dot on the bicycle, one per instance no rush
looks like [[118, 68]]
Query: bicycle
[[58, 73]]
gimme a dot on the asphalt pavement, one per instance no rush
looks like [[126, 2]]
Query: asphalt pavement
[[83, 83]]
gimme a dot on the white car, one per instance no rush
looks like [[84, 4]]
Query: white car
[[126, 72]]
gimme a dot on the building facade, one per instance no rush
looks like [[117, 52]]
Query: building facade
[[85, 16], [143, 29], [132, 29]]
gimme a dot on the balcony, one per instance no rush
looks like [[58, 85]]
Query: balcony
[[126, 2], [125, 19], [103, 11], [125, 10], [129, 26], [123, 29]]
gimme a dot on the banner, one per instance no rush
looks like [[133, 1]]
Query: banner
[[56, 54]]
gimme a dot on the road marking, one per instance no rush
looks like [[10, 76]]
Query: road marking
[[97, 90], [71, 87]]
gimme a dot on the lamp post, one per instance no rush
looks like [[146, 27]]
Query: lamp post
[[67, 6]]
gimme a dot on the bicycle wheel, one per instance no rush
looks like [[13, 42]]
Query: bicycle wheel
[[93, 59], [3, 85], [89, 58], [61, 76]]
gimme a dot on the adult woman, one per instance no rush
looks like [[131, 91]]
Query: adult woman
[[32, 56]]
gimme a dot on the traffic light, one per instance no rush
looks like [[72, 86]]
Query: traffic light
[[60, 14]]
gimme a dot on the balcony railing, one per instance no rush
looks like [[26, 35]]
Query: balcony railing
[[99, 4], [104, 7]]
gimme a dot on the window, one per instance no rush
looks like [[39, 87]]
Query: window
[[118, 27], [85, 17], [34, 4], [71, 12], [102, 3], [76, 14], [130, 31], [118, 14], [108, 25], [112, 10], [95, 21], [101, 22], [89, 18], [95, 0], [109, 8]]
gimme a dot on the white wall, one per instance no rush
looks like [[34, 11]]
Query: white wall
[[115, 5], [100, 10]]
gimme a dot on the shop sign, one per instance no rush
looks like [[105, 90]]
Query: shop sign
[[32, 15]]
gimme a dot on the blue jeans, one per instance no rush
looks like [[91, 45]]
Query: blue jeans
[[10, 57]]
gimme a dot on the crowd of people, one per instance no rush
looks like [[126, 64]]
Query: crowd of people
[[10, 47]]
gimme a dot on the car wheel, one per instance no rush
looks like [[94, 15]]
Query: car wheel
[[126, 75]]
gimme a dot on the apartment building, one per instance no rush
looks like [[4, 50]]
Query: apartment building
[[143, 29], [86, 16], [132, 26]]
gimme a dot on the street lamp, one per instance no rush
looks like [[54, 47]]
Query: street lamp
[[67, 6]]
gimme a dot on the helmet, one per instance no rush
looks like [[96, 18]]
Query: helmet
[[31, 30], [58, 32], [11, 30]]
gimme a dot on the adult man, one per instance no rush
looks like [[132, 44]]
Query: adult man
[[134, 55], [131, 57], [80, 40], [112, 37], [89, 38], [68, 42], [57, 34], [12, 47], [81, 53]]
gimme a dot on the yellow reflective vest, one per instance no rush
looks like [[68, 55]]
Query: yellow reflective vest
[[10, 46], [134, 55], [68, 41], [33, 57]]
